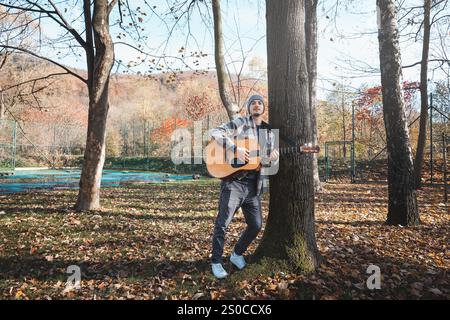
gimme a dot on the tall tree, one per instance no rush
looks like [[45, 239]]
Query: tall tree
[[231, 108], [311, 58], [402, 208], [234, 87], [100, 59], [418, 161], [290, 234], [95, 40]]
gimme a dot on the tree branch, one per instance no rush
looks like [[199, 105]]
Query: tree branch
[[34, 80], [25, 9], [67, 25], [46, 59], [430, 60], [111, 6]]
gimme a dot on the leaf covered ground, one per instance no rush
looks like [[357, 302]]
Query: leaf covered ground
[[152, 241]]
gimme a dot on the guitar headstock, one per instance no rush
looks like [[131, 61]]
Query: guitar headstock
[[309, 148], [306, 148]]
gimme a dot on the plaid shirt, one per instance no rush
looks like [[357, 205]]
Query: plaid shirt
[[245, 127]]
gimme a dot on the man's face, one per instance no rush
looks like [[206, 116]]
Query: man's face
[[256, 108]]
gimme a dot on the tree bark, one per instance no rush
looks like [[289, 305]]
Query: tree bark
[[402, 208], [290, 234], [311, 58], [231, 108], [418, 163], [100, 66]]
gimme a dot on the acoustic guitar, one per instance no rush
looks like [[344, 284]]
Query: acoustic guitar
[[222, 163]]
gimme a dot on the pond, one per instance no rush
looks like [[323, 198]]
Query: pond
[[47, 179]]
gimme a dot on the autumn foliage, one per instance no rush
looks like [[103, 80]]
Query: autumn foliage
[[167, 127]]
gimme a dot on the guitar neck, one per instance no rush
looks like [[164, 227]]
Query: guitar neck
[[299, 149], [287, 150]]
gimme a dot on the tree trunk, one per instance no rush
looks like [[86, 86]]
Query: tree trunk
[[290, 234], [418, 163], [2, 106], [402, 207], [311, 58], [231, 108], [94, 155]]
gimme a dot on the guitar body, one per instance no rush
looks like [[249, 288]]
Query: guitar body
[[222, 163]]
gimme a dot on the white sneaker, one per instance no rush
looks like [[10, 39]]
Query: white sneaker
[[218, 271], [238, 261]]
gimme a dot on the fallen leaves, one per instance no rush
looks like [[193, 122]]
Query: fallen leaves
[[435, 291], [153, 242]]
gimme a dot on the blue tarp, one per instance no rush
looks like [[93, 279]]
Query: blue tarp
[[25, 180]]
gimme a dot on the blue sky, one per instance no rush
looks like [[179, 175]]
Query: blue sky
[[351, 36]]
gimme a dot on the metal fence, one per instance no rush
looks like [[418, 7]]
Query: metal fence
[[8, 131], [130, 145]]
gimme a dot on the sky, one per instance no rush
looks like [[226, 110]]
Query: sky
[[352, 35]]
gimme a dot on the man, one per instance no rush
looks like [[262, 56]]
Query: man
[[243, 189]]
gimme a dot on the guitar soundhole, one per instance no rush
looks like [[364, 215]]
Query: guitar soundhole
[[236, 163]]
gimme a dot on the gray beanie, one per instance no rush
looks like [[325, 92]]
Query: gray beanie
[[253, 98]]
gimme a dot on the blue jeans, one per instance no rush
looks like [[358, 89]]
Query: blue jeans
[[235, 194]]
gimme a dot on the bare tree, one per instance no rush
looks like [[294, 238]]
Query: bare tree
[[415, 24], [232, 108], [402, 207], [98, 48], [100, 59], [233, 86], [410, 20], [426, 24], [418, 161]]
